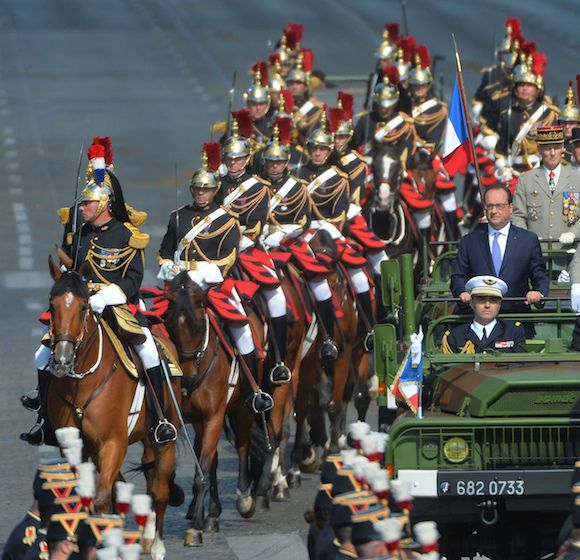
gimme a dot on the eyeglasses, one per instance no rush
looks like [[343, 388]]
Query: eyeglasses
[[502, 206]]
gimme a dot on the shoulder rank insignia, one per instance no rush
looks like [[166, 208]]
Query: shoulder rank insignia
[[29, 535], [138, 239], [64, 215], [518, 323]]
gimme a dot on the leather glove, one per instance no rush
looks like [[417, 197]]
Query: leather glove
[[575, 297], [97, 303], [564, 277]]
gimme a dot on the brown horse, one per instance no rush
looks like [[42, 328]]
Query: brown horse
[[93, 391], [211, 394], [329, 385], [272, 480]]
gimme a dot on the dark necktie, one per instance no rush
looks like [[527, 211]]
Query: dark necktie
[[484, 339]]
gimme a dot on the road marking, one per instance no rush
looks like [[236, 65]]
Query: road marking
[[26, 280]]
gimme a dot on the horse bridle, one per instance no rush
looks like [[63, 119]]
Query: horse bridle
[[77, 343]]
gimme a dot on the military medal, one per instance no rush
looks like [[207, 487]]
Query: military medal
[[570, 207]]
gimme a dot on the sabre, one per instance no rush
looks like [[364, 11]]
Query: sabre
[[177, 254], [369, 109], [76, 204], [167, 375], [405, 22], [232, 95]]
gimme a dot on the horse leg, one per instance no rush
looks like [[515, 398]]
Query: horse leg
[[361, 395], [209, 434], [211, 522], [164, 471], [336, 408], [197, 449], [280, 492], [109, 461], [245, 504]]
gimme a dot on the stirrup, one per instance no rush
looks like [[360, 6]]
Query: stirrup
[[369, 342], [34, 436], [328, 351], [162, 426], [282, 372], [260, 402], [31, 400]]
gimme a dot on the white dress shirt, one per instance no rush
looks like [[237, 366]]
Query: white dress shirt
[[478, 328], [501, 239], [556, 174]]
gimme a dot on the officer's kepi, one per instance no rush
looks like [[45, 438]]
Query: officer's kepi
[[486, 286]]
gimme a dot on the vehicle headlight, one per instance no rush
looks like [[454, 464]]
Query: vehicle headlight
[[456, 450], [430, 450]]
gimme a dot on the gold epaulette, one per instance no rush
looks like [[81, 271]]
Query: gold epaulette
[[262, 180], [497, 94], [219, 127], [64, 215], [138, 239], [137, 217], [340, 173], [316, 83], [361, 114]]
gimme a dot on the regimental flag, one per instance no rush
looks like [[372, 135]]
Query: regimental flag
[[409, 378], [456, 149]]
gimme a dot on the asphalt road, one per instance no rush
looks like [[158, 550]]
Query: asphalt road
[[153, 75]]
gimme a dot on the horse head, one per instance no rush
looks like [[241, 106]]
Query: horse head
[[325, 246], [422, 171], [69, 312], [387, 174], [186, 315]]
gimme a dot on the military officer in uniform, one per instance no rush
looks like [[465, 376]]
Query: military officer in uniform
[[248, 197], [114, 250], [569, 118], [516, 149], [429, 113], [259, 103], [307, 109], [485, 333], [204, 238], [547, 199], [387, 128]]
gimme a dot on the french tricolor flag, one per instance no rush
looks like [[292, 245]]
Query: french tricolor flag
[[456, 149]]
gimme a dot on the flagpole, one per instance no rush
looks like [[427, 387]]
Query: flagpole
[[467, 116]]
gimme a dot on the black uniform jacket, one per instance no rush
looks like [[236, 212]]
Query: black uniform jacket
[[115, 254], [294, 208], [506, 336], [218, 243]]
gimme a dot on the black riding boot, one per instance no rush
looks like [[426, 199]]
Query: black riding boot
[[280, 373], [364, 300], [36, 434], [260, 401], [382, 309], [164, 431], [451, 219], [328, 349]]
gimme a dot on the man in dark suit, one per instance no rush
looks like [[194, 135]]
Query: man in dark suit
[[501, 249], [486, 332]]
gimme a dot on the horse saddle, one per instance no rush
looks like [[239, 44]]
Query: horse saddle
[[130, 359]]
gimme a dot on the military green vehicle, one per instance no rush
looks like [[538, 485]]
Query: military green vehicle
[[491, 458]]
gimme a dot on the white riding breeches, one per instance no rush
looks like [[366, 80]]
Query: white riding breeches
[[448, 202], [359, 279], [376, 259], [320, 289], [422, 218], [148, 351], [242, 336], [276, 301]]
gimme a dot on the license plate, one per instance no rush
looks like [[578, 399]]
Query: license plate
[[480, 484]]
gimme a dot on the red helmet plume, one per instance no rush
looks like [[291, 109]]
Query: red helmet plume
[[288, 101], [393, 28], [297, 28], [105, 141], [514, 24], [424, 56], [213, 151], [291, 39], [392, 73], [539, 63], [347, 102], [335, 117], [263, 69], [307, 59], [244, 120], [285, 129]]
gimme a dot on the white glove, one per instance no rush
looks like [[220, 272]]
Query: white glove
[[97, 303], [500, 163], [490, 141], [273, 240], [246, 243], [575, 297], [567, 238], [353, 210], [564, 277], [416, 347], [168, 271]]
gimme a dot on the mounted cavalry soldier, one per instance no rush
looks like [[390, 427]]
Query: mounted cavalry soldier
[[307, 109], [259, 103], [386, 127], [429, 113], [110, 250], [329, 191], [569, 118], [247, 196], [204, 238], [516, 149]]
